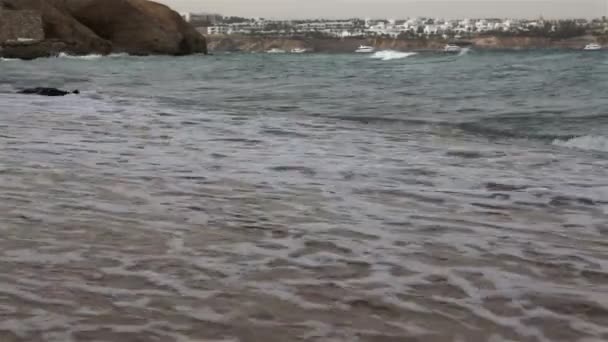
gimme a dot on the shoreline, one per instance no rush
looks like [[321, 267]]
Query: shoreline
[[336, 45], [218, 53], [241, 44]]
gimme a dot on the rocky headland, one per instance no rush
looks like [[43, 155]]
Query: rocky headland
[[40, 28]]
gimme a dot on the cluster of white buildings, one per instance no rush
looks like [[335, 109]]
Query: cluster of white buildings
[[430, 27], [414, 27]]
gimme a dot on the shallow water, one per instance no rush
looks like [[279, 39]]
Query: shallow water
[[306, 198]]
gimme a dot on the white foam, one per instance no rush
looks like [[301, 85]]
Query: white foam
[[91, 56], [587, 142], [464, 51], [388, 55], [86, 57]]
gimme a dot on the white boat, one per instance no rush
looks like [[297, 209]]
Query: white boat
[[365, 49], [275, 50], [451, 48], [592, 47], [299, 50]]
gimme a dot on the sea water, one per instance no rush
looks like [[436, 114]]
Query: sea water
[[386, 197]]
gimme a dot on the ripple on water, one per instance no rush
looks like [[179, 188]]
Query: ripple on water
[[347, 218]]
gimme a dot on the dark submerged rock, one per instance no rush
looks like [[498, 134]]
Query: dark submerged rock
[[47, 91]]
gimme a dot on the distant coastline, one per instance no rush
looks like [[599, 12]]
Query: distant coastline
[[247, 43], [229, 33]]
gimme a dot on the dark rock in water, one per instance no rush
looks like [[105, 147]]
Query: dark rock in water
[[47, 91]]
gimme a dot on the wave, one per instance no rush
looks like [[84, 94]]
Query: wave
[[7, 59], [587, 142], [388, 55], [91, 56], [85, 57], [464, 51], [505, 129]]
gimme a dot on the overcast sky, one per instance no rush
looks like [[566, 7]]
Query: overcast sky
[[395, 8]]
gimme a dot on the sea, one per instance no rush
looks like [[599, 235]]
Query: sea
[[316, 197]]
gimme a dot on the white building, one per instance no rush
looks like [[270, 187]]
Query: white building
[[218, 30], [431, 29]]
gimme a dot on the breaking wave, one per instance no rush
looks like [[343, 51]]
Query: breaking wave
[[464, 51], [587, 142], [91, 56], [388, 55]]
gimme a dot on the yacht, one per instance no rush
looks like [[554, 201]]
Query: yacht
[[592, 47], [451, 48], [298, 50], [365, 49], [275, 50]]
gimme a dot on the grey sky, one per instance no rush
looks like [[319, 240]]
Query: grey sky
[[395, 8]]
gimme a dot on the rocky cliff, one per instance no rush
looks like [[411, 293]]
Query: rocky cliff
[[102, 26]]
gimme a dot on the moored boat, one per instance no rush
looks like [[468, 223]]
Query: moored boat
[[365, 49], [592, 47], [299, 50], [452, 48]]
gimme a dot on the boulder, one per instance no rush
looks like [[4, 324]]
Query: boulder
[[59, 25], [44, 91], [32, 50], [138, 27]]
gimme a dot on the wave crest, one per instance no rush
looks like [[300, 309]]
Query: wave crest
[[387, 55], [91, 56], [464, 51], [587, 142]]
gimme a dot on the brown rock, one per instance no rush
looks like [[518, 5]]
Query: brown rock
[[36, 49], [19, 25], [138, 26], [59, 25]]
